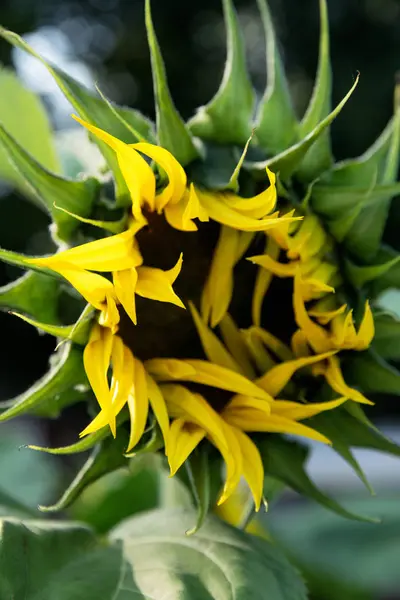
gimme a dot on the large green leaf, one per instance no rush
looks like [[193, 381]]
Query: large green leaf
[[46, 560], [23, 115], [48, 188], [96, 111], [35, 294], [285, 460], [172, 132], [64, 384], [227, 118], [385, 265], [276, 124], [373, 373], [217, 563], [319, 156], [288, 161]]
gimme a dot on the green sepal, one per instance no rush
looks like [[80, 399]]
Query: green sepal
[[215, 171], [373, 374], [94, 110], [77, 332], [359, 275], [365, 236], [285, 460], [319, 156], [198, 475], [227, 118], [54, 390], [275, 123], [331, 426], [86, 443], [21, 260], [386, 342], [75, 196], [22, 113], [34, 294], [172, 132], [288, 161], [105, 457], [355, 432]]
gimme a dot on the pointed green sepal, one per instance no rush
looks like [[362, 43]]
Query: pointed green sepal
[[172, 132], [373, 374], [34, 294], [285, 460], [227, 118], [23, 261], [198, 474], [77, 332], [110, 226], [97, 112], [106, 457], [276, 123], [61, 386], [75, 196], [233, 183], [359, 275], [365, 236], [319, 156], [386, 342], [288, 161]]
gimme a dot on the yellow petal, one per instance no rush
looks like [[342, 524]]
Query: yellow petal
[[125, 288], [109, 316], [260, 355], [275, 267], [224, 214], [323, 312], [252, 466], [276, 378], [155, 284], [232, 455], [316, 335], [181, 215], [280, 349], [96, 360], [343, 331], [240, 402], [136, 172], [334, 377], [255, 207], [182, 440], [138, 405], [201, 371], [236, 345], [122, 380], [159, 408], [263, 280], [253, 420], [182, 403], [297, 411], [217, 292], [176, 175], [280, 232], [212, 346], [307, 240], [366, 331], [299, 344], [112, 253]]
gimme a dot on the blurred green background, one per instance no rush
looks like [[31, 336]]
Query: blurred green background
[[104, 42]]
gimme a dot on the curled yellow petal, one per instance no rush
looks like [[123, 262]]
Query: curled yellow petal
[[125, 289], [96, 360], [236, 345], [109, 316], [156, 284], [159, 408], [138, 405], [263, 280], [252, 466], [297, 411], [183, 438], [366, 330], [334, 377], [316, 335]]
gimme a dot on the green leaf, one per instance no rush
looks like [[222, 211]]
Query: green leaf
[[288, 161], [34, 294], [172, 132], [227, 118], [359, 275], [23, 115], [54, 390], [285, 460], [94, 110], [106, 457], [198, 473], [373, 374], [75, 196], [276, 124], [386, 342], [354, 432], [219, 562], [46, 560], [319, 156]]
